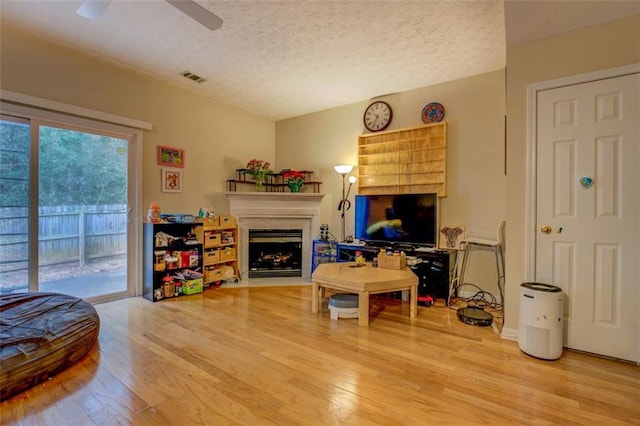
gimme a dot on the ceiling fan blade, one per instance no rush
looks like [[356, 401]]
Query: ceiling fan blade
[[197, 12], [93, 9]]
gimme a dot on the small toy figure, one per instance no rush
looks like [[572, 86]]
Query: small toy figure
[[153, 214]]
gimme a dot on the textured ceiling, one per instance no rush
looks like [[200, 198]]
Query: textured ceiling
[[280, 59]]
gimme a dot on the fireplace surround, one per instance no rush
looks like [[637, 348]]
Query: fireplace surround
[[275, 210]]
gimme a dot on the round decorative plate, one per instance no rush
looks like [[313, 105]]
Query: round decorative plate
[[432, 113]]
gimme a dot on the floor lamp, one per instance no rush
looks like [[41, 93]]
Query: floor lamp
[[344, 204]]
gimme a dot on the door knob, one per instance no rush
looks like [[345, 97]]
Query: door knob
[[545, 229]]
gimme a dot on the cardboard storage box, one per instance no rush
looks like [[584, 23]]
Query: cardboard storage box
[[212, 274], [189, 258], [211, 239], [227, 253], [211, 221], [227, 221], [392, 261], [192, 286], [211, 256]]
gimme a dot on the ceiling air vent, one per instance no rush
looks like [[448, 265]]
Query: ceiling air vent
[[192, 76]]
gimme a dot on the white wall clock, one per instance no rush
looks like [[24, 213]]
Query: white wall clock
[[377, 116]]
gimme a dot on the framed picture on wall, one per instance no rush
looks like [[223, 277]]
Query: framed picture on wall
[[171, 180], [171, 157]]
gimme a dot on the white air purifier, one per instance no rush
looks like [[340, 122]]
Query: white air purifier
[[540, 329]]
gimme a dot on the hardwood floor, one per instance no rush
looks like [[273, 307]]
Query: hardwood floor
[[257, 356]]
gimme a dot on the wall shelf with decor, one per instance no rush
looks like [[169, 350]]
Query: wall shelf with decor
[[274, 182], [405, 161]]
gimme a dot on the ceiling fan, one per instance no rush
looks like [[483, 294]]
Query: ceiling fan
[[94, 9]]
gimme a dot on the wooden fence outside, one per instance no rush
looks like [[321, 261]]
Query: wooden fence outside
[[66, 234]]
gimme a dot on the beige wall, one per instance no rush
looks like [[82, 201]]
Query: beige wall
[[475, 110], [610, 45], [217, 138]]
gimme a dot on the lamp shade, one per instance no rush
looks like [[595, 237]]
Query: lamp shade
[[343, 169], [352, 179]]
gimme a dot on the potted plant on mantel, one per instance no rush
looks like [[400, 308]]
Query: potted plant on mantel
[[294, 179], [259, 170]]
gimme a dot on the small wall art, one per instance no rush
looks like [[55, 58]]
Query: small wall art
[[450, 237], [172, 157], [171, 180]]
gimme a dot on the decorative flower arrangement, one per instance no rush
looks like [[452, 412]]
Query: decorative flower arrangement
[[259, 170], [259, 167], [294, 179]]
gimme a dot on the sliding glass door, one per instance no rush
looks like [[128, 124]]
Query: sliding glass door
[[82, 207], [64, 220], [15, 170]]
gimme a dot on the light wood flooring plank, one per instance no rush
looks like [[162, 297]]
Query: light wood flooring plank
[[258, 356]]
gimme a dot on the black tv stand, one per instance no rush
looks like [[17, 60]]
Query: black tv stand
[[375, 246], [346, 252], [435, 271]]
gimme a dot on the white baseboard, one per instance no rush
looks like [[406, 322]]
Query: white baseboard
[[509, 333]]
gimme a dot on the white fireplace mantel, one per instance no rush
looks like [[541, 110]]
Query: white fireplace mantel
[[276, 210], [279, 204]]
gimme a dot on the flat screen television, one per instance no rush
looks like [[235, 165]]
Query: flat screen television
[[401, 218]]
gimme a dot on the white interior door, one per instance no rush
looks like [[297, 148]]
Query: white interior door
[[588, 138]]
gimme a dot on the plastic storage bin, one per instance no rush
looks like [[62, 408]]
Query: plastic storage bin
[[540, 329]]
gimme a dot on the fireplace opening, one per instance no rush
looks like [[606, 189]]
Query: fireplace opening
[[275, 253]]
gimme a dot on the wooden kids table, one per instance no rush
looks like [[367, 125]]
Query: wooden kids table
[[365, 280]]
